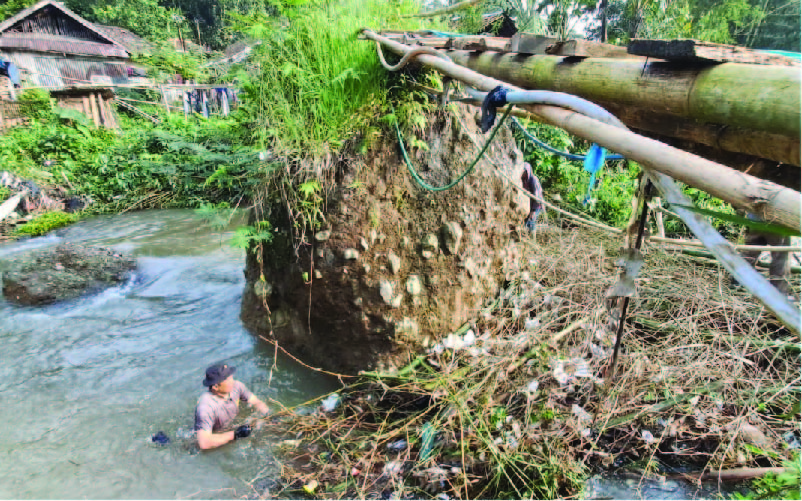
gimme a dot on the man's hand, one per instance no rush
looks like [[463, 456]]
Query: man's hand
[[258, 404], [242, 432]]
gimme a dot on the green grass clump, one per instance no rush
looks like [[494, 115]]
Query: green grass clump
[[312, 84], [45, 223]]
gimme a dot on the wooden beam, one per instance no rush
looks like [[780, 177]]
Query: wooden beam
[[695, 50], [760, 98], [87, 108], [95, 114]]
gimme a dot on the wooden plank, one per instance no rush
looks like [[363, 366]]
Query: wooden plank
[[694, 50], [86, 108], [585, 48], [479, 43]]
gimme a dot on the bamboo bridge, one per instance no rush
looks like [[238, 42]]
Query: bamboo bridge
[[722, 119]]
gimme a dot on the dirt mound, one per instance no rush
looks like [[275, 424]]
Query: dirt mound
[[66, 272]]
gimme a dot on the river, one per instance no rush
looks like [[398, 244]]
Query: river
[[84, 384]]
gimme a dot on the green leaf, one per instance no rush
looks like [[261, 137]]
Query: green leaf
[[734, 218]]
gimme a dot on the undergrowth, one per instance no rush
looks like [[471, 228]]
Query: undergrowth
[[45, 223], [610, 199]]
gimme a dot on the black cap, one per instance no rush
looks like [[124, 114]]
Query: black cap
[[217, 374]]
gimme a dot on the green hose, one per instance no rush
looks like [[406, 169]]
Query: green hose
[[423, 184]]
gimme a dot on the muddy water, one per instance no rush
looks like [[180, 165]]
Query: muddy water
[[84, 384]]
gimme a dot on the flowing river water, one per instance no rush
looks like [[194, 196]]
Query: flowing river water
[[84, 384]]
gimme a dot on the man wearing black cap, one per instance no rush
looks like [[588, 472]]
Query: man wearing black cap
[[218, 407]]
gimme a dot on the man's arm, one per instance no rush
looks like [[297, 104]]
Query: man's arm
[[208, 440], [254, 401]]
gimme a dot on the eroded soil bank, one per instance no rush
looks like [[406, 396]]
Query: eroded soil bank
[[392, 267]]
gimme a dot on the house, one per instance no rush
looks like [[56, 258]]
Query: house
[[55, 48]]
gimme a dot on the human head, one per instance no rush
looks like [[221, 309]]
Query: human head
[[220, 378]]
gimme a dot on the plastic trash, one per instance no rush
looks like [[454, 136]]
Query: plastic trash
[[160, 438], [330, 403]]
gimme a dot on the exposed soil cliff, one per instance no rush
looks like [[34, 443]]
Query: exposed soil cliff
[[394, 266]]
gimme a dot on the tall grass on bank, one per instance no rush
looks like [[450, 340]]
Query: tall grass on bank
[[312, 85]]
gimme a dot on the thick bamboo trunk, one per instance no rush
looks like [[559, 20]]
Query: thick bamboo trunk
[[777, 147], [761, 98]]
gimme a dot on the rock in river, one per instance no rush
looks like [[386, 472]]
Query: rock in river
[[65, 272]]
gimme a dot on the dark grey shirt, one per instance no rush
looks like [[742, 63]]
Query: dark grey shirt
[[214, 413]]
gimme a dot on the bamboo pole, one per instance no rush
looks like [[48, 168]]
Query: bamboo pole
[[659, 159], [164, 99], [95, 116], [770, 201], [696, 243], [774, 147], [758, 97]]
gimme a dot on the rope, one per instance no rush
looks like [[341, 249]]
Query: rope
[[407, 57], [570, 156], [423, 184]]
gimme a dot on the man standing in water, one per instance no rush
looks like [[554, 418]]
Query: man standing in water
[[532, 184], [218, 407]]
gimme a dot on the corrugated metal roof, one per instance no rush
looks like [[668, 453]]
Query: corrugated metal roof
[[59, 44], [46, 43], [130, 41]]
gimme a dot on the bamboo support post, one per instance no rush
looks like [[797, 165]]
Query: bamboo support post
[[768, 200], [101, 106], [658, 218], [164, 99], [86, 108], [95, 115]]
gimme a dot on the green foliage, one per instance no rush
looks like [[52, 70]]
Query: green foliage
[[777, 486], [247, 236], [611, 198], [720, 21], [179, 163], [45, 223], [166, 62], [10, 7], [5, 194], [311, 84], [147, 18], [35, 104]]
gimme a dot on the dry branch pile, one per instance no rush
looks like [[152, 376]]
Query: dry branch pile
[[516, 404]]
